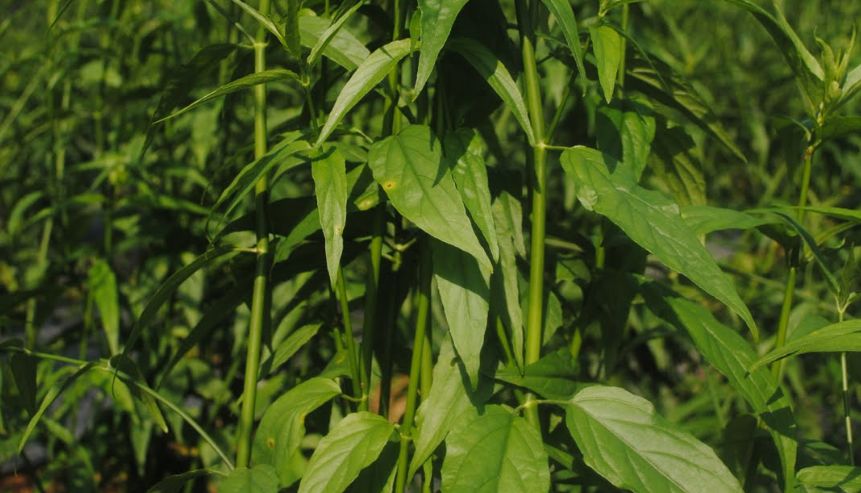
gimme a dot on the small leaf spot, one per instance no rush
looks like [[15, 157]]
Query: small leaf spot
[[270, 442], [389, 184]]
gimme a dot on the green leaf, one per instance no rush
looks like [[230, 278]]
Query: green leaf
[[264, 21], [330, 34], [176, 482], [704, 219], [329, 172], [133, 374], [14, 221], [103, 288], [496, 451], [437, 18], [371, 72], [731, 355], [554, 376], [564, 14], [469, 171], [353, 444], [839, 337], [837, 127], [260, 479], [486, 63], [344, 48], [291, 345], [853, 215], [291, 28], [247, 81], [448, 403], [410, 169], [169, 286], [280, 432], [653, 222], [464, 290], [803, 64], [843, 478], [852, 84], [626, 133], [609, 50], [625, 441], [49, 399], [831, 279]]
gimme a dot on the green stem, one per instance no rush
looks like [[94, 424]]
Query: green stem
[[260, 296], [372, 287], [422, 322], [789, 290], [847, 417], [538, 184], [350, 342]]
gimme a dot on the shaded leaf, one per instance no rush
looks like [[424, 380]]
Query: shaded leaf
[[839, 337], [103, 288], [176, 482], [554, 376], [843, 478], [330, 187], [330, 34], [609, 49], [564, 14], [259, 479], [437, 18], [344, 48]]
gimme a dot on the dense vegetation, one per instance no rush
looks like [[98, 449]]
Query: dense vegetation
[[388, 245]]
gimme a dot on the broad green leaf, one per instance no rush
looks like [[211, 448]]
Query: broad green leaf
[[609, 49], [464, 289], [169, 286], [497, 76], [564, 14], [626, 134], [352, 445], [259, 479], [103, 288], [247, 81], [409, 168], [329, 172], [841, 478], [344, 48], [448, 403], [731, 355], [329, 35], [628, 443], [470, 175], [371, 72], [264, 21], [704, 219], [282, 427], [496, 451], [653, 222], [554, 376], [176, 482], [803, 63], [437, 18], [244, 182], [839, 337], [49, 399]]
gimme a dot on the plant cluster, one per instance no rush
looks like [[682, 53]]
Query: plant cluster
[[431, 245]]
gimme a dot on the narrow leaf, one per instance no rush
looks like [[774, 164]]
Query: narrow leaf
[[176, 482], [564, 14], [625, 441], [609, 49], [264, 21], [371, 72], [653, 222], [410, 169], [343, 48], [437, 19], [329, 172], [486, 63], [839, 337], [353, 444], [330, 34], [103, 288], [843, 478]]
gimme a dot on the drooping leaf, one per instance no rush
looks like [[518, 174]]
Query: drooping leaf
[[841, 478], [731, 355], [409, 168], [486, 63], [437, 18], [264, 21], [103, 288], [839, 337], [343, 48], [564, 14], [554, 376], [495, 451], [245, 82], [330, 34], [470, 175], [652, 221], [291, 345], [371, 72], [505, 289], [280, 432], [133, 374], [448, 403], [169, 286], [259, 479], [464, 289], [609, 49], [329, 172], [628, 443], [353, 444]]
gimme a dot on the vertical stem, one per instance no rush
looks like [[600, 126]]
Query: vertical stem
[[786, 307], [260, 295], [341, 290], [847, 417], [538, 184], [422, 319]]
